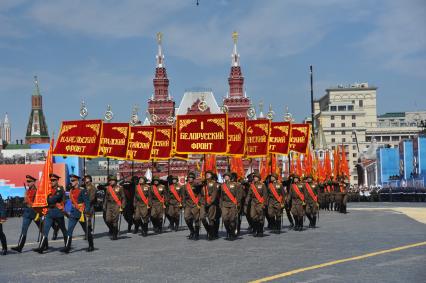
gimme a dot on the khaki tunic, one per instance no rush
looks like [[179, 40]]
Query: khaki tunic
[[141, 209], [275, 208], [208, 210], [111, 207], [257, 208], [192, 210], [297, 205], [174, 206], [157, 208]]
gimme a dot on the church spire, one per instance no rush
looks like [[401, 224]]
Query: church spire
[[235, 56], [37, 128], [160, 56]]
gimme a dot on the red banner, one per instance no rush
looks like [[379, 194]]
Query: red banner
[[202, 134], [279, 137], [299, 139], [45, 187], [257, 137], [79, 138], [162, 148], [174, 154], [141, 140], [114, 140], [236, 135]]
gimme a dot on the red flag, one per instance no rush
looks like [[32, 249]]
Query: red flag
[[336, 163], [299, 170], [344, 169], [237, 166], [327, 165], [45, 186]]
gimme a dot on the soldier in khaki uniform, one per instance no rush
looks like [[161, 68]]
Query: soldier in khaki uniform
[[158, 204], [343, 186], [91, 191], [311, 196], [142, 205], [257, 199], [114, 203], [174, 206], [230, 206], [276, 199], [297, 197], [209, 204], [337, 195], [192, 205]]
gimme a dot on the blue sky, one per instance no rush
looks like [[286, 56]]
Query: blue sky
[[103, 51]]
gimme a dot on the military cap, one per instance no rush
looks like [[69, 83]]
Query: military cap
[[74, 176], [210, 172], [88, 177], [174, 177], [191, 175], [54, 176], [112, 178], [275, 175], [256, 174], [227, 174], [29, 177], [144, 178], [156, 178]]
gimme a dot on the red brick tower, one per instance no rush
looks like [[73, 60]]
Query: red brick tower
[[37, 127], [236, 101], [160, 106]]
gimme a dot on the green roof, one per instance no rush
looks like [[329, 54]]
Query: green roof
[[392, 115], [18, 146]]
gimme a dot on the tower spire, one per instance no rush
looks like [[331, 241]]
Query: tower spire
[[160, 56], [235, 56]]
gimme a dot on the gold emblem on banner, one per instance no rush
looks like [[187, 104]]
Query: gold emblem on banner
[[185, 122], [263, 127], [303, 130], [66, 128], [94, 127], [238, 125], [165, 132], [121, 130], [283, 129], [146, 134], [218, 121]]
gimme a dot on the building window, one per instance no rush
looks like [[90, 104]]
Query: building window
[[353, 124], [333, 140], [368, 139], [355, 177], [350, 107], [361, 103], [354, 147], [353, 139], [333, 133], [343, 139], [332, 125], [333, 108], [332, 117], [395, 138], [342, 117], [353, 117], [343, 132], [353, 154], [343, 125], [333, 147], [386, 138], [342, 108]]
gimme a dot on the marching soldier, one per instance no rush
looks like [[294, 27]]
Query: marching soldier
[[344, 183], [142, 205], [175, 203], [129, 192], [275, 202], [80, 205], [191, 204], [55, 201], [328, 189], [311, 208], [115, 201], [338, 196], [29, 213], [158, 204], [297, 197], [230, 205], [209, 205], [246, 205], [257, 198], [287, 183], [91, 192], [3, 218]]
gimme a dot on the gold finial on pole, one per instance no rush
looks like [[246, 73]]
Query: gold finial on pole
[[159, 37], [235, 36]]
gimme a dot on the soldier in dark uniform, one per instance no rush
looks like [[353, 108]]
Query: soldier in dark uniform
[[245, 185], [276, 202], [129, 192], [338, 196], [343, 186], [3, 218], [29, 215], [55, 201], [175, 193], [297, 198], [80, 205], [230, 205], [91, 191], [115, 201], [191, 204], [311, 200], [258, 198], [158, 204], [209, 204], [142, 205], [287, 201]]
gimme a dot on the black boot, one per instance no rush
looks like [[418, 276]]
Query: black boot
[[191, 229], [91, 247], [21, 244], [42, 245], [301, 223], [67, 247], [55, 233], [176, 225], [197, 233], [314, 222], [135, 231], [3, 244], [144, 229], [260, 230], [114, 233]]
